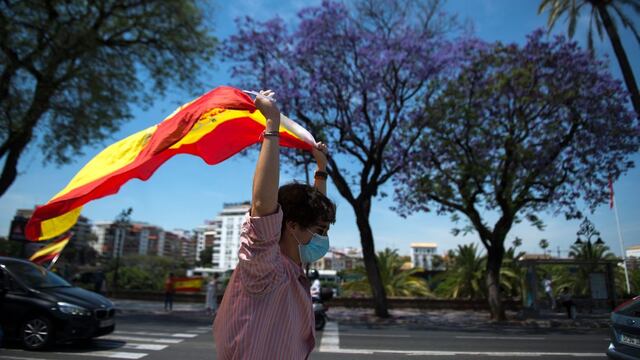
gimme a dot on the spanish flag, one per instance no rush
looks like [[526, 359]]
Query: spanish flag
[[51, 251], [214, 127]]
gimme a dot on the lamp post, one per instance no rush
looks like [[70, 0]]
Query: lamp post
[[588, 230]]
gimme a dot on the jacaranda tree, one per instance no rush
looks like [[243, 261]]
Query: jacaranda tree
[[519, 130], [352, 76]]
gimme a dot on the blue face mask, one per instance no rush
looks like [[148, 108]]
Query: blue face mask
[[315, 249]]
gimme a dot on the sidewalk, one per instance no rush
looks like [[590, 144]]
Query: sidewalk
[[399, 317]]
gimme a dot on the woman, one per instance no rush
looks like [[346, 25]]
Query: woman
[[266, 311]]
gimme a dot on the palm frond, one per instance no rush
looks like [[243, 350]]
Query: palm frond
[[626, 22], [635, 4]]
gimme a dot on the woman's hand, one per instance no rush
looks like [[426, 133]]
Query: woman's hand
[[269, 110], [320, 152]]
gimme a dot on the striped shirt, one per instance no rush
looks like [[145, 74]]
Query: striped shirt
[[266, 311]]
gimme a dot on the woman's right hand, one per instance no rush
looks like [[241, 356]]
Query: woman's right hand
[[268, 109]]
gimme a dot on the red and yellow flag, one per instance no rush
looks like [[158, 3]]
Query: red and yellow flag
[[214, 127], [50, 252]]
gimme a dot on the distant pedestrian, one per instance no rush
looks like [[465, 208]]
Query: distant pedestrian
[[315, 289], [169, 290], [548, 289], [212, 295], [100, 285], [567, 301]]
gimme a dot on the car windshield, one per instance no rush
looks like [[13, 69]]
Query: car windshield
[[36, 276], [631, 308]]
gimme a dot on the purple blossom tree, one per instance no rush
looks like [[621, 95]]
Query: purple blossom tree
[[519, 130], [352, 76]]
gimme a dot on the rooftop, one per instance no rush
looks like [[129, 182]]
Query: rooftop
[[424, 245]]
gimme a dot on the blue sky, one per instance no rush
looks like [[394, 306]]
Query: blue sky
[[185, 191]]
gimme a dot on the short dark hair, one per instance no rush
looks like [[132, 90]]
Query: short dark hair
[[305, 205]]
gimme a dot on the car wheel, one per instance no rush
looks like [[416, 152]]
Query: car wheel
[[36, 333]]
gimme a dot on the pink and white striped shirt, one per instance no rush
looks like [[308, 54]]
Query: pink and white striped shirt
[[266, 311]]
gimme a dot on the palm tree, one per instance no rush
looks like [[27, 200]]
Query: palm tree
[[544, 244], [465, 278], [590, 254], [602, 18], [395, 280]]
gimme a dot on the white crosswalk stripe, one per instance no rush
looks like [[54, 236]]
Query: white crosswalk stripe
[[9, 357], [154, 347], [108, 354], [330, 338], [145, 339], [134, 346], [122, 344], [179, 335]]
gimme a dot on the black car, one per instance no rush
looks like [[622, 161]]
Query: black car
[[625, 331], [39, 307]]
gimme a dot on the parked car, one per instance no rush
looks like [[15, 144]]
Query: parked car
[[625, 331], [39, 307]]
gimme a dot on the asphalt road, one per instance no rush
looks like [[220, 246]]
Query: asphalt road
[[176, 336]]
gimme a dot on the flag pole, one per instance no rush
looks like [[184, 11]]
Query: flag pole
[[624, 254]]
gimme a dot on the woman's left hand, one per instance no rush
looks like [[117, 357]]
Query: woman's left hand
[[320, 152]]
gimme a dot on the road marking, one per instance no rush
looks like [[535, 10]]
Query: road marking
[[135, 338], [330, 343], [154, 347], [179, 335], [128, 345], [108, 354], [458, 353], [19, 357], [330, 338], [376, 335], [501, 337]]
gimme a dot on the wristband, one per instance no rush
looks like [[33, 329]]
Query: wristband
[[274, 133], [320, 175]]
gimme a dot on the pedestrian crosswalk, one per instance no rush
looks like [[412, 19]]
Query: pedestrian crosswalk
[[130, 344]]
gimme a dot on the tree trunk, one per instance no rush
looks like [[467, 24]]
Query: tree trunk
[[621, 55], [370, 262], [495, 253], [15, 146], [9, 171]]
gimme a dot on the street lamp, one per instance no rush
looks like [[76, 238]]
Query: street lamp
[[588, 230]]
